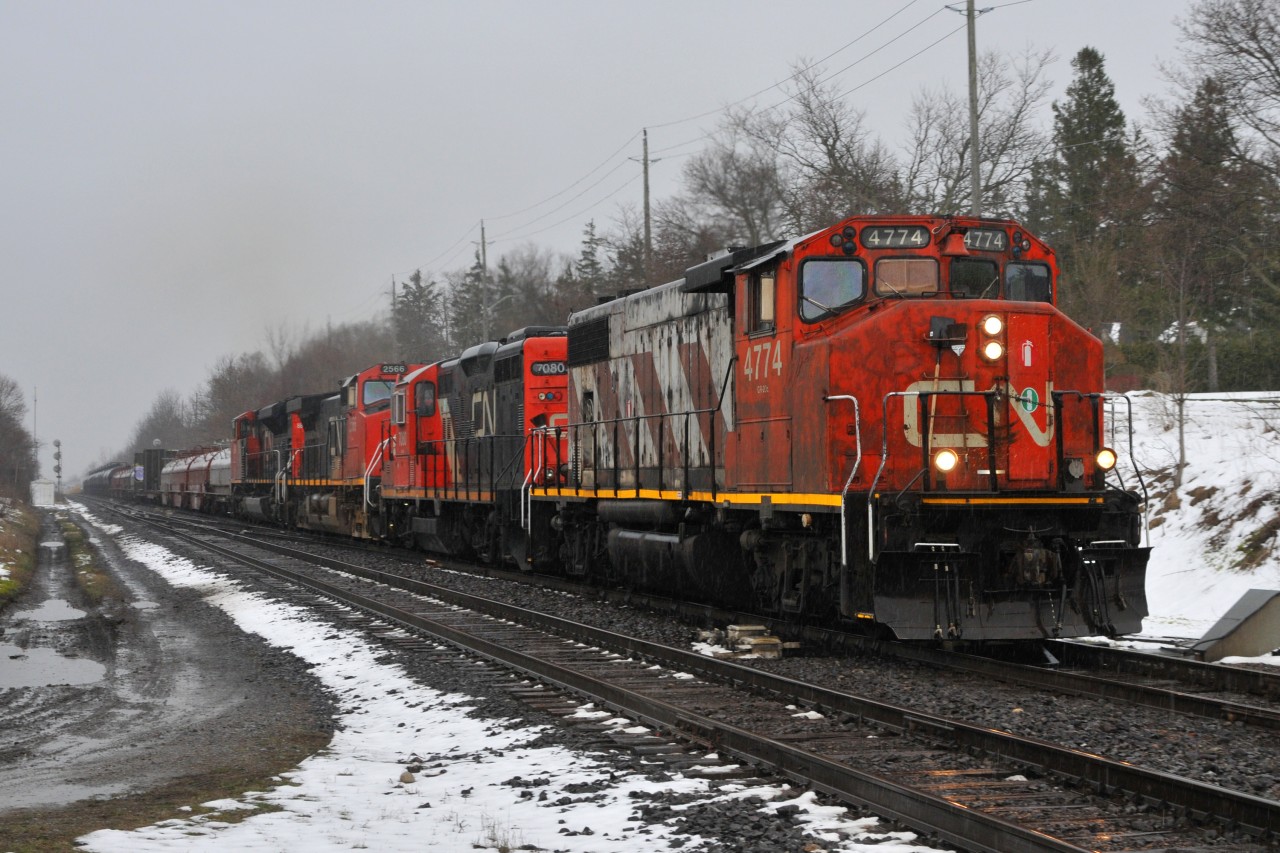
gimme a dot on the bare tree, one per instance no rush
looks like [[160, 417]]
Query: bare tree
[[282, 342], [831, 164], [18, 463], [1237, 42], [737, 182], [1010, 94], [235, 385], [13, 406], [166, 424]]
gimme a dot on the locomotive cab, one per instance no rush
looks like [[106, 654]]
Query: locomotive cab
[[887, 421], [963, 430]]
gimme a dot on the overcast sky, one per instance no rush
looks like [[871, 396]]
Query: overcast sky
[[177, 177]]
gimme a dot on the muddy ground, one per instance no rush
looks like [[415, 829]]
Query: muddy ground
[[119, 714]]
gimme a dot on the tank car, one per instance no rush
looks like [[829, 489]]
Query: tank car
[[98, 481], [887, 421], [197, 479]]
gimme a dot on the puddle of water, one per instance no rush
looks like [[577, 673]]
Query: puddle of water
[[42, 667], [53, 610], [145, 605]]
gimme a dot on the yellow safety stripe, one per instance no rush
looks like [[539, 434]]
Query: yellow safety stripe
[[744, 498], [359, 482], [1082, 501]]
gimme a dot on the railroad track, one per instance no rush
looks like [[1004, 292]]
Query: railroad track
[[1163, 682], [969, 785]]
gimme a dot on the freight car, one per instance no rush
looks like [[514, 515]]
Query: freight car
[[198, 480], [140, 481], [98, 481]]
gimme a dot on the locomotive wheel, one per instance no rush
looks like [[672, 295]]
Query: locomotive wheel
[[485, 541]]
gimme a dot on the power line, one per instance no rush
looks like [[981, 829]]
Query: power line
[[821, 80], [793, 76], [508, 236], [567, 202], [619, 150], [513, 233]]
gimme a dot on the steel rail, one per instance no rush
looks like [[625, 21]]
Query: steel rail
[[1214, 677], [1199, 800], [956, 824], [1218, 676]]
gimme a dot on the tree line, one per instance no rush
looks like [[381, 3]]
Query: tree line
[[18, 463], [1165, 228]]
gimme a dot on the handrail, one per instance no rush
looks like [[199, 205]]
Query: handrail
[[1133, 459], [575, 430], [844, 494], [368, 471], [992, 397], [537, 441]]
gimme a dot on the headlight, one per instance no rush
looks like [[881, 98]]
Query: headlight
[[946, 460], [1106, 459], [992, 350], [992, 325]]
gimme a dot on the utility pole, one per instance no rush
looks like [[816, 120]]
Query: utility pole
[[648, 228], [485, 308], [975, 173]]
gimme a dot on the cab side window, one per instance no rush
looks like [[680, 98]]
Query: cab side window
[[760, 302], [424, 399]]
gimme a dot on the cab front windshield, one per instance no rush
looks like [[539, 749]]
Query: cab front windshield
[[829, 284], [377, 391], [1028, 282]]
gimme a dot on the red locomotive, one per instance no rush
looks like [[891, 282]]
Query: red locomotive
[[473, 436], [312, 461], [887, 422]]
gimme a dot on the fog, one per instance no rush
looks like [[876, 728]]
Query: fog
[[178, 178]]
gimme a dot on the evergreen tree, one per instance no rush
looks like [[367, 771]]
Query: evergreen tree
[[588, 268], [523, 291], [1209, 209], [1071, 191], [468, 304], [416, 321], [1087, 198]]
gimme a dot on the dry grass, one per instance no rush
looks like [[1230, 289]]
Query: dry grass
[[19, 531], [1258, 546], [95, 583]]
